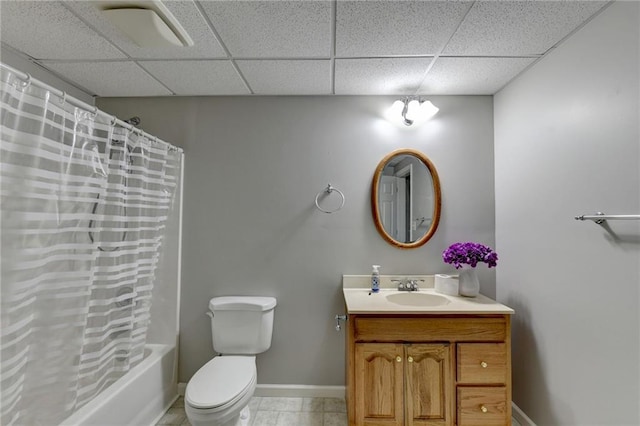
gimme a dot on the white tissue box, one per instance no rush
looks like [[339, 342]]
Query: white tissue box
[[446, 284]]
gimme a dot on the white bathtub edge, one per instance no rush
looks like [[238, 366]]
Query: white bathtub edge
[[130, 386], [164, 410]]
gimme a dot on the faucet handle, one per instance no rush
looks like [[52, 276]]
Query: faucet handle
[[400, 283], [413, 284]]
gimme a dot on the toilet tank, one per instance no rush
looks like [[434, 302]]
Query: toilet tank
[[241, 325]]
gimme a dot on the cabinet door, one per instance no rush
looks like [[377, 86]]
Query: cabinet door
[[379, 384], [429, 381]]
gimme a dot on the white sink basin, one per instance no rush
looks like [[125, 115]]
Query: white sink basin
[[417, 299]]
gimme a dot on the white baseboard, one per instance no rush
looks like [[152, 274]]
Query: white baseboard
[[520, 416], [291, 391], [305, 391]]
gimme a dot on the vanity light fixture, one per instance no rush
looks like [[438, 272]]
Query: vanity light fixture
[[411, 110]]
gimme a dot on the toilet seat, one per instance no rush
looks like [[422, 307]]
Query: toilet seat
[[221, 382]]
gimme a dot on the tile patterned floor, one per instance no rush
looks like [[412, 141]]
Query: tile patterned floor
[[273, 411]]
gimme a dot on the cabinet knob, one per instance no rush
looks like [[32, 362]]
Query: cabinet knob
[[398, 358], [410, 359], [483, 364], [483, 409]]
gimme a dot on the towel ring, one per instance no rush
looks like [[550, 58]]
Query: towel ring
[[329, 189]]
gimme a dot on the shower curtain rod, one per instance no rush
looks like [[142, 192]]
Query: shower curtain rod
[[600, 217], [80, 104]]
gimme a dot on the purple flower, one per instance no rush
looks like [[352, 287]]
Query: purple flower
[[459, 254]]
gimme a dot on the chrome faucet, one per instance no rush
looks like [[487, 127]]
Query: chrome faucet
[[407, 284]]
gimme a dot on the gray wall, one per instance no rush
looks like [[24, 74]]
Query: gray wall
[[567, 143], [253, 168]]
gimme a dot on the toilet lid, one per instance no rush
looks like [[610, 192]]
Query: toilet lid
[[220, 381]]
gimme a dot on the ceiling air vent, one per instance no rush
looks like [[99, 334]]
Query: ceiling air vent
[[147, 23]]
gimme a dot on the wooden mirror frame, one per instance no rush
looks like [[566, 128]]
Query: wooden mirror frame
[[436, 200]]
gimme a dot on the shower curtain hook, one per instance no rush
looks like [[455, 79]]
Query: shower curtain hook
[[27, 81]]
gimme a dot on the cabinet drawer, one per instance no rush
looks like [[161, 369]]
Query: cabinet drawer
[[482, 363], [381, 329], [482, 406]]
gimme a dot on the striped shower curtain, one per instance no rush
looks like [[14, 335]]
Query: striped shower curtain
[[83, 209]]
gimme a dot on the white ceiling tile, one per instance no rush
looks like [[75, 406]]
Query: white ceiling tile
[[110, 79], [385, 76], [286, 46], [206, 46], [471, 76], [215, 77], [47, 30], [287, 77], [518, 28], [258, 29], [378, 28]]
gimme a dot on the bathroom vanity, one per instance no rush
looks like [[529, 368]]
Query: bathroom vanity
[[425, 359]]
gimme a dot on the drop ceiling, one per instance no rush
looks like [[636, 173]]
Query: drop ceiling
[[299, 47]]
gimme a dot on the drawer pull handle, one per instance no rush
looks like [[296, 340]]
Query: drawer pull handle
[[483, 364], [410, 359], [483, 409], [398, 359]]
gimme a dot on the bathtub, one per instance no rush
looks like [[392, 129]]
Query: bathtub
[[140, 397]]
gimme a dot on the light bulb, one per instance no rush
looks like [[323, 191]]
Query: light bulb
[[428, 110], [394, 113], [413, 110], [423, 112]]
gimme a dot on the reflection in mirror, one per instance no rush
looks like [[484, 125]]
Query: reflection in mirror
[[405, 198]]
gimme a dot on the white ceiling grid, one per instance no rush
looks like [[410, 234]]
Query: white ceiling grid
[[298, 47]]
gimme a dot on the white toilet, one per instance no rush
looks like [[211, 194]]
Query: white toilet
[[219, 393]]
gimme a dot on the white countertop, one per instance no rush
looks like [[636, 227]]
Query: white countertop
[[360, 300]]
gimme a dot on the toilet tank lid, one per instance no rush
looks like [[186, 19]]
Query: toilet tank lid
[[242, 303]]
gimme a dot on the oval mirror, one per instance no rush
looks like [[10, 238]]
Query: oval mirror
[[405, 198]]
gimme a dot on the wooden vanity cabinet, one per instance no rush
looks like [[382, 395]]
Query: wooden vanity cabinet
[[425, 370]]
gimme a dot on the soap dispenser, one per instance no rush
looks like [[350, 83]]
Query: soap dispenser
[[375, 279]]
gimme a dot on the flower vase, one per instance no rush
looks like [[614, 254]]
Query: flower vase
[[468, 283]]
